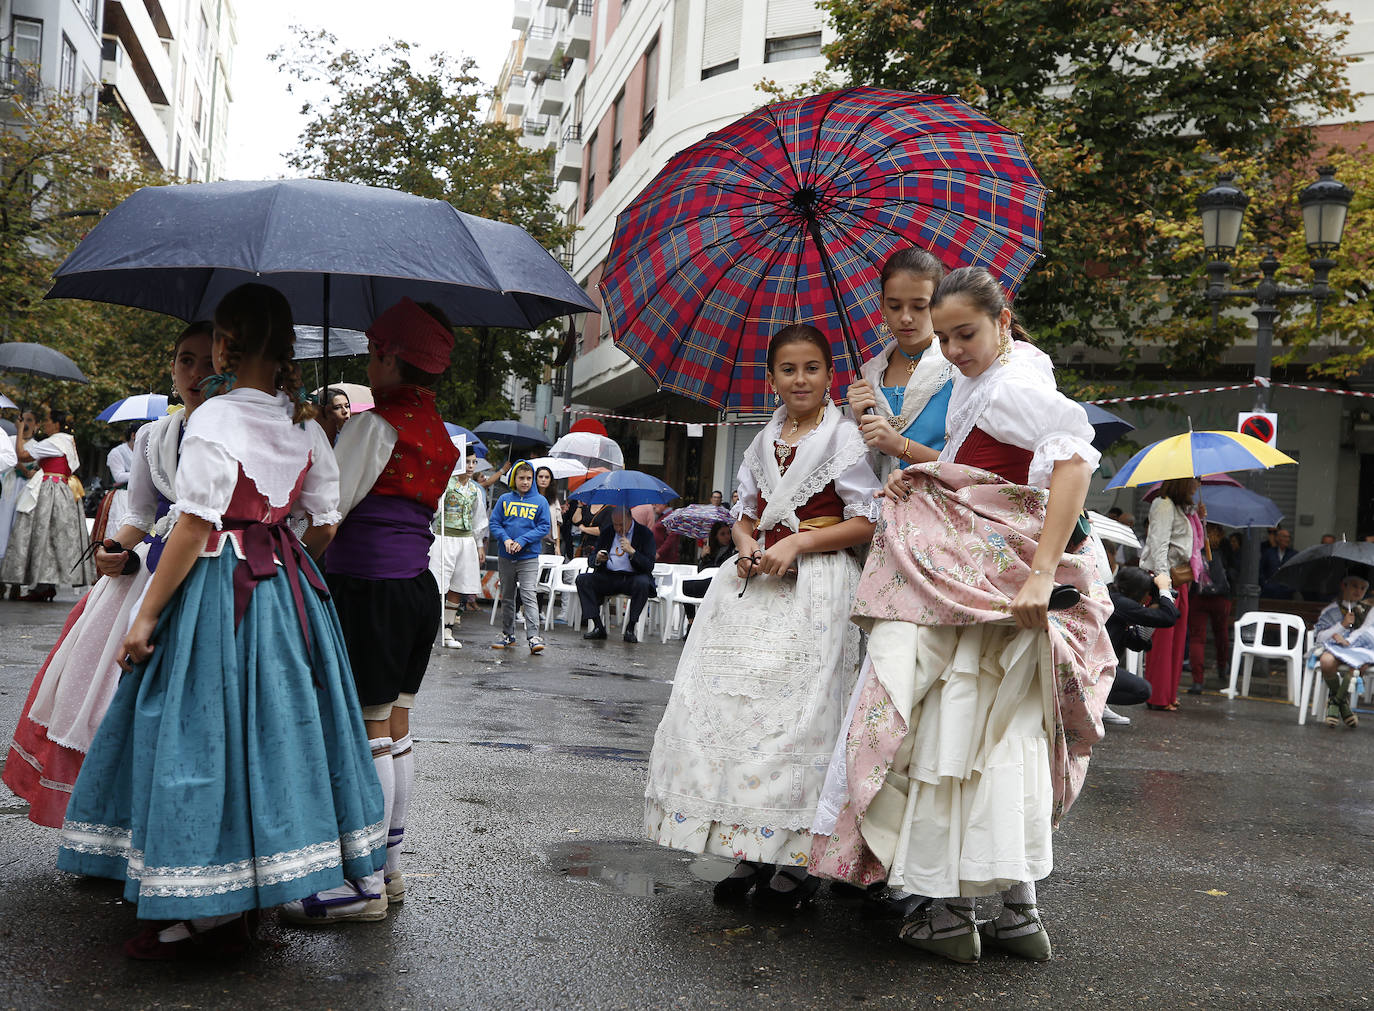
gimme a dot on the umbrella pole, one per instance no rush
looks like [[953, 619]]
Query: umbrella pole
[[851, 346], [325, 340]]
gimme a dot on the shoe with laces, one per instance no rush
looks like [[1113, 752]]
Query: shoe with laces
[[395, 888], [324, 908], [1114, 719], [1034, 945], [505, 642], [536, 645]]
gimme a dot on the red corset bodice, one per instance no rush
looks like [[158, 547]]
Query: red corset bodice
[[57, 466], [248, 505], [1011, 463], [826, 502]]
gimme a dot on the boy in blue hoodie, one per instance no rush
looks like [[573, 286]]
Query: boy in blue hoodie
[[520, 522]]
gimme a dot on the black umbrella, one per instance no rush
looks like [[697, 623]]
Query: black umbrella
[[1319, 569], [341, 254], [1107, 427], [39, 360], [512, 432]]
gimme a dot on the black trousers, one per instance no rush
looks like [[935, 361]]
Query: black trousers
[[595, 586], [1128, 689]]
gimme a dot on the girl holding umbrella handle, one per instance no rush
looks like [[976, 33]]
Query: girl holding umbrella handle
[[907, 384], [758, 699], [972, 733]]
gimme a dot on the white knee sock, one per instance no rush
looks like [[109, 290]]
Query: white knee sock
[[450, 615], [181, 930], [403, 765], [386, 774]]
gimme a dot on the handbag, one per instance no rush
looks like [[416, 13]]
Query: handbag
[[1181, 574]]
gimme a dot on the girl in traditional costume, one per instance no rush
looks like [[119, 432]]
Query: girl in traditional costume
[[48, 539], [740, 755], [907, 385], [460, 545], [972, 734], [74, 687], [12, 481], [232, 770]]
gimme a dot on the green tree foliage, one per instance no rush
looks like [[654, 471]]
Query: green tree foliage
[[1124, 108], [380, 118], [60, 173]]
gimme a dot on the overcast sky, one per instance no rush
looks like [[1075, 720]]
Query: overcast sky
[[265, 122]]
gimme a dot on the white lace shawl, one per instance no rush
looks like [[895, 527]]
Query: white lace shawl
[[1019, 404], [932, 372], [832, 449], [161, 448]]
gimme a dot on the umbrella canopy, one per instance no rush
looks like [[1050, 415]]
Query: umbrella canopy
[[589, 449], [1107, 427], [1319, 569], [1195, 454], [357, 393], [786, 216], [1239, 507], [588, 425], [512, 432], [697, 520], [561, 469], [459, 432], [624, 488], [482, 466], [142, 407], [341, 253], [7, 426], [577, 482], [39, 360], [342, 343], [1113, 531], [6, 402]]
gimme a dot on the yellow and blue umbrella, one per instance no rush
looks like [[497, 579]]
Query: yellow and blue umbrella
[[1195, 454]]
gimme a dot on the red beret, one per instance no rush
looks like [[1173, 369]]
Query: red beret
[[414, 335]]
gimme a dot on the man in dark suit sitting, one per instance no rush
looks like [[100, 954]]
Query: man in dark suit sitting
[[623, 562]]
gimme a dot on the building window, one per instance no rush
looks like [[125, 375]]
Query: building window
[[27, 44], [66, 77], [176, 159], [93, 13], [591, 174], [197, 108], [203, 35], [720, 43], [192, 172], [650, 88], [795, 47], [89, 93], [617, 133], [718, 69]]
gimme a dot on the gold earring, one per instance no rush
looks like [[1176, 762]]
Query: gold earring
[[777, 399], [885, 331], [1004, 349]]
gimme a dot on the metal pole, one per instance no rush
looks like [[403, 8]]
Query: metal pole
[[324, 335], [565, 421], [1266, 310]]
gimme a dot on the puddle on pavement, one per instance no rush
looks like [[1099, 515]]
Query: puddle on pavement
[[574, 750], [634, 868], [18, 809], [586, 672]]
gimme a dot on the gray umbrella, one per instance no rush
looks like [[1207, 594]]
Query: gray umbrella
[[341, 254], [39, 360]]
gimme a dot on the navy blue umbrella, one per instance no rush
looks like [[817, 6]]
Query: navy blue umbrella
[[1107, 427], [341, 254], [624, 488], [39, 360], [513, 432], [1232, 506]]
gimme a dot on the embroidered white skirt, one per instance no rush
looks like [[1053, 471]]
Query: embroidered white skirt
[[758, 700]]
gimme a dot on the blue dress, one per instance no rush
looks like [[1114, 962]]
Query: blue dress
[[232, 770], [929, 427]]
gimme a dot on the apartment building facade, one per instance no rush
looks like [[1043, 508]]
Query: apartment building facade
[[166, 67]]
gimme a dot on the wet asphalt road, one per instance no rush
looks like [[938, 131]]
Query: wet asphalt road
[[1220, 857]]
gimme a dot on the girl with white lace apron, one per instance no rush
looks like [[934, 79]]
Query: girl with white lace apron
[[741, 753], [74, 686]]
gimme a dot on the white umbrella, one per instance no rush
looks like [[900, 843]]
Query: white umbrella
[[481, 466], [562, 468], [6, 402], [1111, 530], [357, 393], [590, 449], [139, 407]]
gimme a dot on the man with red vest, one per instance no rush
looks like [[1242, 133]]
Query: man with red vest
[[394, 464]]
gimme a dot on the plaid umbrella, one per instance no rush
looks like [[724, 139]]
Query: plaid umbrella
[[697, 520], [786, 216]]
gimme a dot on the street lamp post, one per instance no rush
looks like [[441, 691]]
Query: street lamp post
[[1324, 204]]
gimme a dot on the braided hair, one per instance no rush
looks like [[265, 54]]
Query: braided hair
[[256, 320]]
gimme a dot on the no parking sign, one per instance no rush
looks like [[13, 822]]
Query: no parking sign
[[1261, 425]]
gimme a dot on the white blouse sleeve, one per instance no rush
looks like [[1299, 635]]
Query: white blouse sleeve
[[119, 466], [481, 525], [9, 456], [141, 511], [44, 449], [206, 476], [858, 489], [319, 498], [364, 447], [748, 504], [1037, 417]]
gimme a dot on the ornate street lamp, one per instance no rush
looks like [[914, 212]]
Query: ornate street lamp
[[1324, 205]]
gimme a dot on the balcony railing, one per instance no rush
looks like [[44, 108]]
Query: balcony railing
[[18, 78], [534, 127]]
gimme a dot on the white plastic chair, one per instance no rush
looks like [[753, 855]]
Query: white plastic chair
[[563, 583], [655, 613], [543, 583], [677, 616], [1361, 689], [1291, 648]]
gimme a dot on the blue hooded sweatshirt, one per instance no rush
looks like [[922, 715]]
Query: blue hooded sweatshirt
[[524, 519]]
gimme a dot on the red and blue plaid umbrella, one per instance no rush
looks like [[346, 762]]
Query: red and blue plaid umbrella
[[787, 215]]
